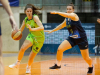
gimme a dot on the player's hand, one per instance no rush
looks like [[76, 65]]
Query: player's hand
[[48, 31], [98, 20], [28, 26], [13, 23], [53, 12]]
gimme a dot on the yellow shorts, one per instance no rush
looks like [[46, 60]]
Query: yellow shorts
[[36, 41]]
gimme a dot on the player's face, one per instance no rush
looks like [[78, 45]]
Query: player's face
[[28, 12], [70, 9]]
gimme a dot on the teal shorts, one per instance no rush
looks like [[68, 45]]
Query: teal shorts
[[36, 41]]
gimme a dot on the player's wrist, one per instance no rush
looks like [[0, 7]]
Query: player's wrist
[[19, 30], [10, 16], [31, 29], [52, 31], [13, 23]]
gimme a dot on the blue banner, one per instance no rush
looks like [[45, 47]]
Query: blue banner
[[13, 3]]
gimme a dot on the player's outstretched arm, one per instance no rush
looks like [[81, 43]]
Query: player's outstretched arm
[[62, 25], [73, 16], [6, 5], [22, 26]]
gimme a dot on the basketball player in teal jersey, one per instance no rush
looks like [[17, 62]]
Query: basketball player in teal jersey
[[5, 4], [77, 36], [35, 38]]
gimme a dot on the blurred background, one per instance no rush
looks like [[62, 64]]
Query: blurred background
[[88, 12]]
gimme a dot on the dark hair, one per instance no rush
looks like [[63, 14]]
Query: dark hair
[[35, 9], [71, 4]]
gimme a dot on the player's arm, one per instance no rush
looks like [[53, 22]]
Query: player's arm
[[22, 26], [5, 4], [62, 25], [36, 19], [72, 16]]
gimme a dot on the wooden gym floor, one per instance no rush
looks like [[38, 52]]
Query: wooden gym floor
[[72, 64]]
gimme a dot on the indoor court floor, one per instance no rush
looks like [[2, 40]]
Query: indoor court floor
[[72, 64]]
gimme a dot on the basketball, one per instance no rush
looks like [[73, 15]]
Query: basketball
[[16, 35]]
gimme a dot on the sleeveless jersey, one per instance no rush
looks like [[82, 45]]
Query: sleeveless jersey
[[33, 24], [75, 29]]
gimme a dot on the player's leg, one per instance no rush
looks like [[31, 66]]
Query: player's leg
[[1, 63], [27, 43], [30, 61], [65, 45], [31, 58], [35, 49], [24, 47], [85, 55], [0, 46], [83, 45], [0, 43], [1, 67]]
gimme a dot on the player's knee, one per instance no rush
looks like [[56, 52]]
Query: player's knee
[[23, 48], [31, 58], [60, 50]]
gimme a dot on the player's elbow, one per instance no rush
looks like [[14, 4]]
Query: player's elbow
[[42, 28]]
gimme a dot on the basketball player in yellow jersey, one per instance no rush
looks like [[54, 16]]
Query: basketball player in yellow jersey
[[5, 4], [35, 38]]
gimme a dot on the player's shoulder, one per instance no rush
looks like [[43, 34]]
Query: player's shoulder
[[76, 18], [74, 14], [35, 17], [26, 18]]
